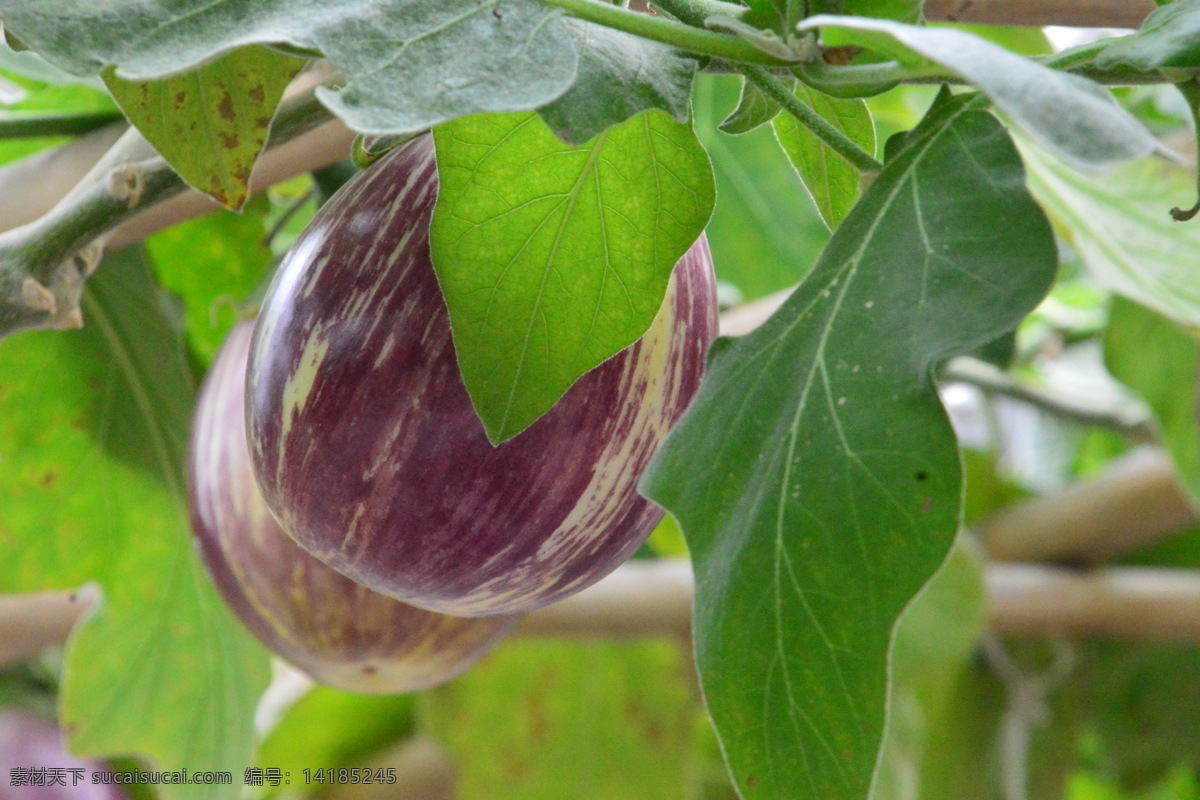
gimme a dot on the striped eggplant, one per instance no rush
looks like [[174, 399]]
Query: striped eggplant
[[338, 631], [368, 449], [37, 745]]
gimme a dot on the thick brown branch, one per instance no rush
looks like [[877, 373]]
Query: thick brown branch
[[654, 599], [1136, 501], [1069, 13], [44, 263]]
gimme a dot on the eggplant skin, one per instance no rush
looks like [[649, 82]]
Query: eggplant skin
[[339, 632], [369, 452], [32, 742]]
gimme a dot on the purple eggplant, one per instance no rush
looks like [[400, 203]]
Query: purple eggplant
[[36, 765], [369, 452], [338, 631]]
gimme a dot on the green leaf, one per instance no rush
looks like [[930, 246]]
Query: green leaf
[[45, 91], [555, 720], [1160, 361], [1170, 37], [831, 180], [328, 729], [1120, 226], [765, 233], [93, 426], [554, 258], [210, 124], [408, 64], [620, 75], [900, 10], [965, 746], [1145, 703], [830, 490], [213, 264], [1076, 118], [754, 108]]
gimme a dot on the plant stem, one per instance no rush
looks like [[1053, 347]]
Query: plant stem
[[44, 264], [692, 12], [659, 29], [14, 126], [1191, 93], [814, 122]]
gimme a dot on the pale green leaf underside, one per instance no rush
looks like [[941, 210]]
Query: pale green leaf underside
[[816, 477], [620, 75], [409, 64], [1167, 381], [210, 124], [830, 179], [554, 258], [1120, 225], [92, 430], [1170, 37], [1079, 120]]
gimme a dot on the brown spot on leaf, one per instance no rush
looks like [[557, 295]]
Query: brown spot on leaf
[[751, 783], [180, 99], [228, 140], [257, 94], [927, 505], [225, 107], [49, 478], [262, 123]]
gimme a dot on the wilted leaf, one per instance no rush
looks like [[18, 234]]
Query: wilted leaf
[[210, 124]]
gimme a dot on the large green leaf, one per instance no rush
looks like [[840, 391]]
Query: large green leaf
[[1079, 120], [765, 233], [213, 264], [556, 720], [1170, 37], [1120, 225], [831, 180], [210, 124], [93, 426], [816, 476], [620, 75], [553, 258], [409, 64], [1160, 361]]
